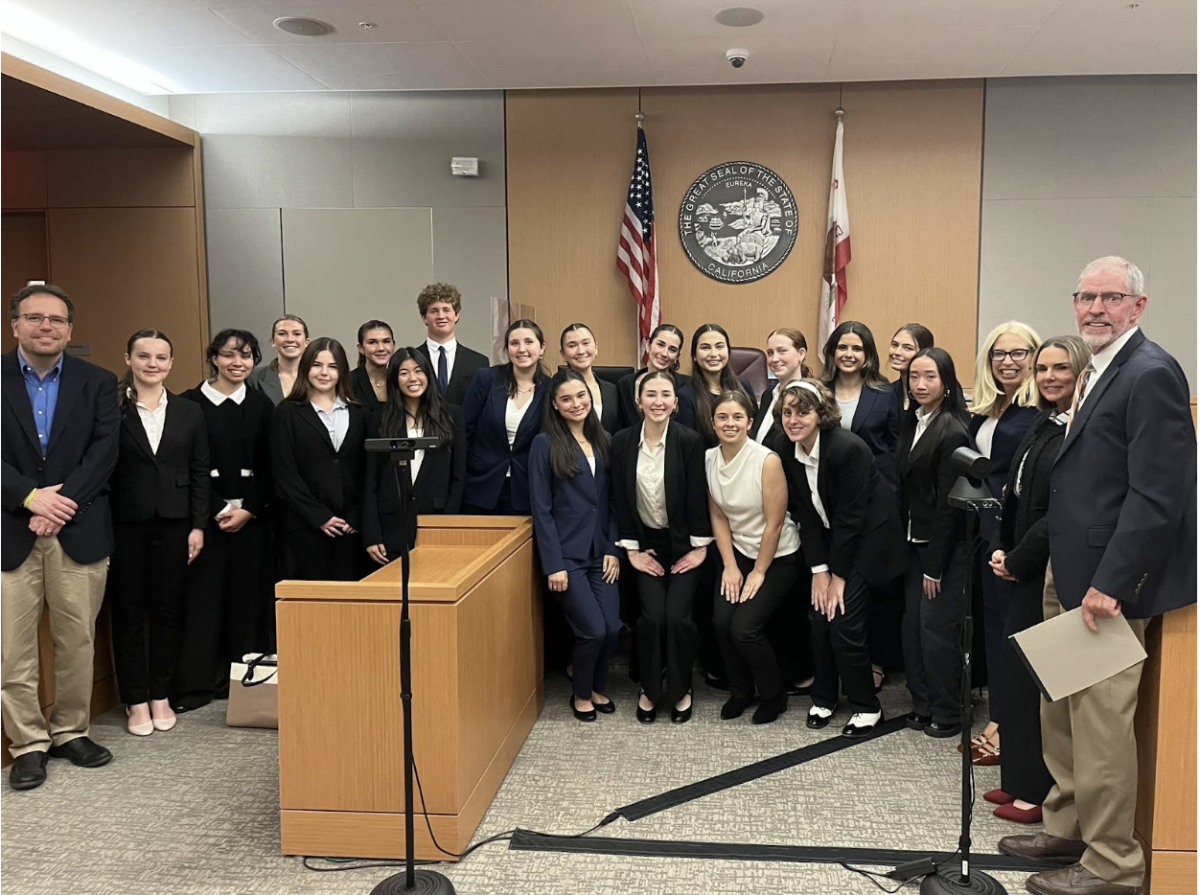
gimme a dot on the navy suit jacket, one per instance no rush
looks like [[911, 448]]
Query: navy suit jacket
[[575, 519], [1010, 431], [488, 455], [81, 455], [1123, 489], [877, 422]]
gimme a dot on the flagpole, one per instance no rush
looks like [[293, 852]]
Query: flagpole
[[637, 319]]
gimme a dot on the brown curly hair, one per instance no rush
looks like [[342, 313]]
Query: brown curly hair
[[439, 292], [797, 394]]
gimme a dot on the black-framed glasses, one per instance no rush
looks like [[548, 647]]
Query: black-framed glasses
[[39, 319], [1110, 299], [1017, 354]]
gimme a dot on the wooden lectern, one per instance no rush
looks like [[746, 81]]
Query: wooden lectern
[[477, 689]]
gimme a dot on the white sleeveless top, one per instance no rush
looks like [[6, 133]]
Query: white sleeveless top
[[736, 487]]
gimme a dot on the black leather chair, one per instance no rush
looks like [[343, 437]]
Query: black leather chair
[[751, 364]]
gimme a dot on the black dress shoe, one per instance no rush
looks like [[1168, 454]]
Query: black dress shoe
[[82, 752], [861, 724], [682, 716], [816, 720], [605, 708], [913, 721], [580, 714], [733, 707], [646, 716], [770, 709], [797, 690], [943, 729], [28, 771]]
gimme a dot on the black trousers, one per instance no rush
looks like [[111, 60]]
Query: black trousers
[[933, 640], [840, 651], [997, 594], [229, 611], [146, 581], [1023, 773], [790, 635], [750, 662], [706, 638], [885, 615], [666, 632], [311, 555]]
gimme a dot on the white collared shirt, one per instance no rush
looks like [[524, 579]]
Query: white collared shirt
[[153, 421], [238, 396], [768, 422], [1103, 359], [652, 489], [414, 465], [336, 420], [923, 420], [435, 351]]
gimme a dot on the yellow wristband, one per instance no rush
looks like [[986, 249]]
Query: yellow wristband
[[29, 499]]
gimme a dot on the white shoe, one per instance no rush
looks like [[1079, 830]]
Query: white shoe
[[818, 717], [861, 724], [138, 730], [164, 723]]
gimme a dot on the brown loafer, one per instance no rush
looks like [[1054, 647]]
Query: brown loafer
[[1043, 847], [1074, 880]]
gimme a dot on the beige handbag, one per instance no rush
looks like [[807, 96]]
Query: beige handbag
[[253, 692]]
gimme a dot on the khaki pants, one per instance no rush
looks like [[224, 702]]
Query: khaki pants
[[72, 593], [1089, 747]]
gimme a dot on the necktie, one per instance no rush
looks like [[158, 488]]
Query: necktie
[[443, 375], [1080, 391]]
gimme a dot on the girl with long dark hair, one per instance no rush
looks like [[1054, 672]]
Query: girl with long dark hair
[[289, 338], [160, 500], [319, 462], [370, 379], [502, 413], [934, 427], [414, 409], [575, 523], [662, 354], [230, 607], [711, 377]]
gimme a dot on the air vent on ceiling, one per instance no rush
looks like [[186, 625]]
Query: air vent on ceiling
[[302, 27]]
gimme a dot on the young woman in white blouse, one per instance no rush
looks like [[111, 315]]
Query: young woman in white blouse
[[662, 514], [760, 553]]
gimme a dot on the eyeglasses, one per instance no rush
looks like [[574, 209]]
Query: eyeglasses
[[1017, 354], [1110, 299], [39, 319]]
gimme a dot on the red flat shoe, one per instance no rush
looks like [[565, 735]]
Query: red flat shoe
[[997, 797], [1019, 815]]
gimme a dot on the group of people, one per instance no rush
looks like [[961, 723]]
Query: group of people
[[796, 542]]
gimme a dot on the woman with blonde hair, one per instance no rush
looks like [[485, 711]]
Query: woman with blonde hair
[[1005, 405]]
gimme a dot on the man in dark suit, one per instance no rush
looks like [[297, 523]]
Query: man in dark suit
[[59, 444], [1122, 524], [454, 364]]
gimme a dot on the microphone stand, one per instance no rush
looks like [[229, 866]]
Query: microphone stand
[[973, 498], [425, 882]]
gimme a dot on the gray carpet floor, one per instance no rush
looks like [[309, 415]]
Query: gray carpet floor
[[195, 810]]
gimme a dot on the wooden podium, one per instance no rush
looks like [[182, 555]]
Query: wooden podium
[[477, 689]]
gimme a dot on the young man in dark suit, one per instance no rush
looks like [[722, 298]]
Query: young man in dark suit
[[1122, 525], [59, 443], [454, 364]]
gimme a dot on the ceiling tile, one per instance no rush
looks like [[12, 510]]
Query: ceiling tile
[[600, 21], [562, 63], [922, 70], [680, 19], [384, 66], [702, 61], [226, 69], [128, 26], [944, 44], [884, 14], [394, 22]]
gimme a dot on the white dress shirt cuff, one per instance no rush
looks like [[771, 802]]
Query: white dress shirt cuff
[[629, 545], [931, 578], [700, 542], [816, 569]]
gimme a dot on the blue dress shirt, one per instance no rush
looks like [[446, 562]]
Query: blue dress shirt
[[43, 396]]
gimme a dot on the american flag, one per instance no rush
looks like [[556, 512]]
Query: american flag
[[637, 251]]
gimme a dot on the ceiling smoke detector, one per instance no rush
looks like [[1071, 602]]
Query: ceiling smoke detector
[[302, 27], [738, 16]]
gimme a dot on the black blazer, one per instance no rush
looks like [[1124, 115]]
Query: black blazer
[[610, 418], [683, 478], [925, 477], [80, 455], [627, 399], [258, 413], [1006, 437], [1024, 532], [762, 418], [864, 533], [364, 392], [877, 422], [466, 364], [438, 489], [173, 483], [313, 481], [489, 457], [574, 519], [1123, 505]]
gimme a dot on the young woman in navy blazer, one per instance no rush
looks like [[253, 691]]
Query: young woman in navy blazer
[[786, 351], [933, 428], [575, 524], [230, 600], [414, 409], [908, 340], [662, 514], [851, 538], [662, 354], [370, 378], [579, 349], [1004, 408], [160, 509], [502, 413], [319, 459]]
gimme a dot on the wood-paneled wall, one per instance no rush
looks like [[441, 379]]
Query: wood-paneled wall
[[913, 156]]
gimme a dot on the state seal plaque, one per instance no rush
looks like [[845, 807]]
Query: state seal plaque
[[738, 222]]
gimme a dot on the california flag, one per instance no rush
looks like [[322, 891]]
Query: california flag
[[837, 248]]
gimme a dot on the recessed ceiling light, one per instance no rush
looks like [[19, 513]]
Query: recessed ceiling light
[[302, 27], [739, 16]]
